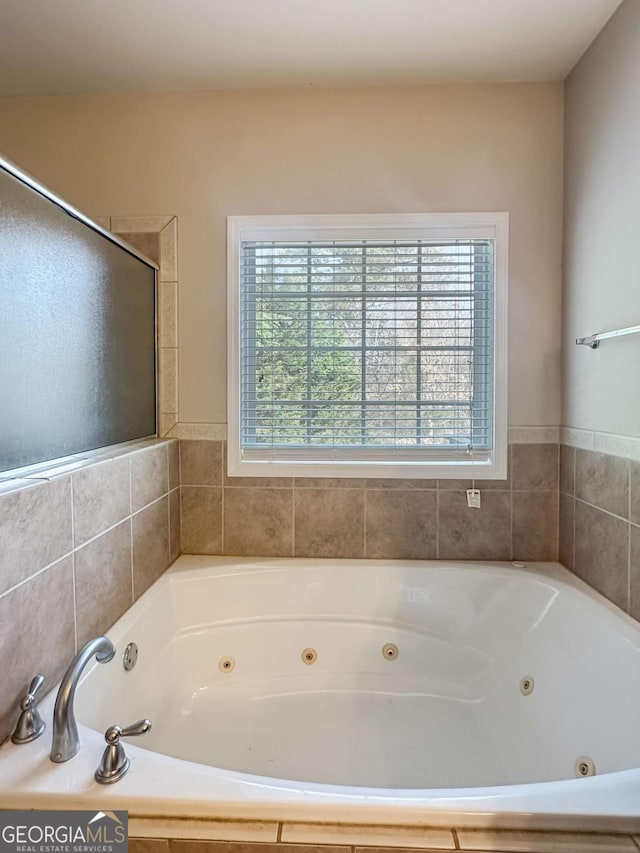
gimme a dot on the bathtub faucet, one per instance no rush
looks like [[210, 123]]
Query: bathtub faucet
[[66, 742]]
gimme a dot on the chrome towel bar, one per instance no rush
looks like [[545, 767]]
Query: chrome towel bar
[[593, 341]]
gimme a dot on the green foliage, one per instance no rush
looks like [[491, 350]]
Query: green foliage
[[287, 376]]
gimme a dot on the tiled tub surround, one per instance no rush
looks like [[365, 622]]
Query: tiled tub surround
[[385, 519], [304, 838], [600, 523], [75, 553]]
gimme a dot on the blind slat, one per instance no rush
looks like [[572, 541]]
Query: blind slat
[[354, 343]]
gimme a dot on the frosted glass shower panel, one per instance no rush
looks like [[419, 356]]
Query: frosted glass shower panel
[[77, 333]]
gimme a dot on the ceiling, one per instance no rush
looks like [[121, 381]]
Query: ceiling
[[74, 46]]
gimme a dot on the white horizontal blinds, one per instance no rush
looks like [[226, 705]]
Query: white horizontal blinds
[[349, 344]]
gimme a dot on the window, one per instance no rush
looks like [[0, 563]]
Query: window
[[368, 345]]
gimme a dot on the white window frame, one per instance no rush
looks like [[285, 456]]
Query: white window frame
[[274, 462]]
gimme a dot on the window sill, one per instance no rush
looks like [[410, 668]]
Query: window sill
[[491, 469]]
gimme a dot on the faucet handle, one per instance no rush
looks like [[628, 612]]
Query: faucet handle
[[114, 762], [113, 734], [30, 724]]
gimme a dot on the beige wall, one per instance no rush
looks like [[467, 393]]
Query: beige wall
[[602, 229], [205, 156]]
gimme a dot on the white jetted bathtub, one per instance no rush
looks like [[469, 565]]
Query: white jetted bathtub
[[362, 691]]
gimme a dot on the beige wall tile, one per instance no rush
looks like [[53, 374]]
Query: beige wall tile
[[149, 476], [398, 483], [475, 534], [463, 485], [100, 498], [147, 242], [201, 520], [534, 466], [121, 224], [601, 552], [192, 846], [328, 483], [174, 525], [258, 522], [567, 469], [201, 463], [373, 849], [329, 522], [603, 481], [377, 836], [452, 485], [634, 572], [168, 251], [625, 446], [634, 486], [513, 841], [167, 424], [200, 431], [148, 845], [36, 636], [173, 452], [35, 529], [198, 828], [167, 314], [258, 482], [577, 437], [535, 526], [534, 434], [168, 378], [401, 524], [253, 482], [566, 538], [103, 581], [151, 555]]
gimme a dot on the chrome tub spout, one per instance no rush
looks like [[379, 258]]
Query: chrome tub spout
[[66, 742]]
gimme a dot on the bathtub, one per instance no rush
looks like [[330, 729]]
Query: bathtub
[[361, 692]]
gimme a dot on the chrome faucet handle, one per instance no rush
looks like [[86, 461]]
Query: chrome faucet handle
[[114, 762], [30, 724]]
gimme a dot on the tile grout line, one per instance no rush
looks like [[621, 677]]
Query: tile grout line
[[36, 574], [456, 841], [147, 506], [119, 522], [279, 833], [605, 511]]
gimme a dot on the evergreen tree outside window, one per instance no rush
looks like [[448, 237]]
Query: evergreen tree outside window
[[373, 345]]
